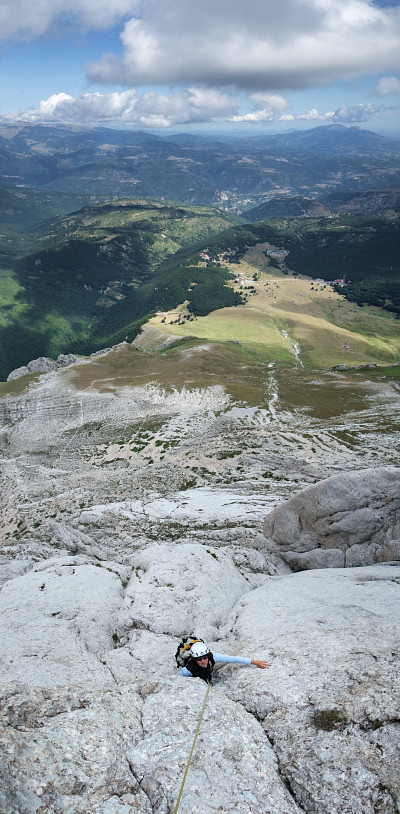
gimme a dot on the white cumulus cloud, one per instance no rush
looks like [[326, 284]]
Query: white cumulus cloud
[[190, 106], [350, 114], [258, 46], [271, 100], [347, 114], [314, 115], [88, 107], [25, 20], [258, 116], [150, 109]]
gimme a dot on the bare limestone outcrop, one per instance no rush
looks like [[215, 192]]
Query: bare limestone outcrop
[[132, 505], [329, 702], [163, 576], [91, 722], [42, 365], [351, 519]]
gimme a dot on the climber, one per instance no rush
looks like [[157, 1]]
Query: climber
[[201, 661]]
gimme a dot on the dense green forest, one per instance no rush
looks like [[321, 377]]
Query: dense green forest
[[96, 274], [380, 291]]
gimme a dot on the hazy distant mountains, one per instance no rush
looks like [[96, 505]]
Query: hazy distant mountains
[[375, 201], [230, 172]]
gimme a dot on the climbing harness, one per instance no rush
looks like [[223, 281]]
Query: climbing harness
[[191, 751]]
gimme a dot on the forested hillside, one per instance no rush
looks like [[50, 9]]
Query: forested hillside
[[97, 274], [362, 250], [92, 277]]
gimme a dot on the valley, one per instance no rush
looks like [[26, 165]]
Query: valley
[[97, 275], [230, 173], [83, 267]]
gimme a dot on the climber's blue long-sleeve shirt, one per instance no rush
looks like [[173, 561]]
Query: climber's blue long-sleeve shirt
[[220, 658]]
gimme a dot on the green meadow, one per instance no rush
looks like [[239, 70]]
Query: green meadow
[[293, 320]]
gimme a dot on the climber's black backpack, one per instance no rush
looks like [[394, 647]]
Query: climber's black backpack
[[182, 654]]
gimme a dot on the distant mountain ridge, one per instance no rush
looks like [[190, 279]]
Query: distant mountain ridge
[[336, 203], [221, 171]]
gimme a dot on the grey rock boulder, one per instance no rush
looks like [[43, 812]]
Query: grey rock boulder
[[351, 519], [65, 359], [18, 372], [42, 365]]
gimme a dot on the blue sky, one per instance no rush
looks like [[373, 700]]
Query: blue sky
[[222, 65]]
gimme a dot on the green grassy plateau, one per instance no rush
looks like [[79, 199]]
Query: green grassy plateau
[[293, 320]]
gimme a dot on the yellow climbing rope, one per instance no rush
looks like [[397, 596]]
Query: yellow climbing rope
[[191, 751]]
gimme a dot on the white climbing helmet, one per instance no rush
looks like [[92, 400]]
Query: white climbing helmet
[[198, 650]]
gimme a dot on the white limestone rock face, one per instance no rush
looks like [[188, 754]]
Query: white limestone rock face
[[90, 726], [57, 621], [330, 700], [18, 372], [64, 752], [41, 365], [180, 589], [351, 519], [9, 568], [233, 766]]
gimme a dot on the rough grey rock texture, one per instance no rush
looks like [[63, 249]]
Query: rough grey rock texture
[[65, 751], [42, 365], [131, 511], [229, 736], [18, 372], [57, 620], [167, 588], [350, 519], [65, 359], [330, 701], [91, 722]]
